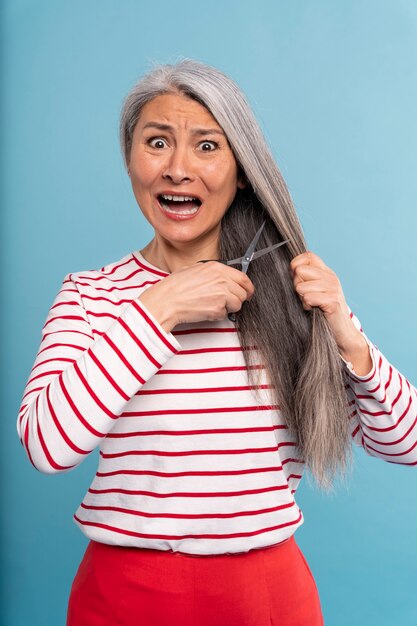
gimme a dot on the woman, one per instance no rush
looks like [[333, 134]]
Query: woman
[[205, 425]]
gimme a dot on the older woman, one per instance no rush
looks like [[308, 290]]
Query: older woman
[[204, 424]]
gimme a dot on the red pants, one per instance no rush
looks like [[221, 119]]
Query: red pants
[[120, 586]]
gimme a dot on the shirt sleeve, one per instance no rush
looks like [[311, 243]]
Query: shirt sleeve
[[79, 385], [383, 408]]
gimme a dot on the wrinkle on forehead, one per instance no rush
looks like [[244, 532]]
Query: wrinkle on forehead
[[183, 112]]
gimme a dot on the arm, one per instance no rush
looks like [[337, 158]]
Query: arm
[[383, 408], [80, 385], [383, 403]]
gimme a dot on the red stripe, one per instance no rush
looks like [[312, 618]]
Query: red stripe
[[131, 533], [76, 412], [380, 453], [394, 426], [378, 375], [233, 409], [66, 303], [113, 455], [208, 431], [191, 494], [54, 359], [46, 452], [201, 330], [94, 314], [26, 436], [138, 306], [107, 375], [379, 413], [189, 515], [256, 470], [356, 430], [402, 462], [373, 398], [43, 374], [116, 267], [148, 268], [103, 299], [92, 394], [64, 317], [139, 343], [124, 360], [106, 277], [152, 392], [60, 428], [216, 350], [393, 443], [26, 444], [67, 330], [209, 370], [118, 288], [292, 461], [63, 345], [31, 391]]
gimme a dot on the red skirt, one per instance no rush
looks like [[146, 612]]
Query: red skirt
[[122, 586]]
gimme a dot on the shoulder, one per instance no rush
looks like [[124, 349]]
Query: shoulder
[[126, 270], [125, 278]]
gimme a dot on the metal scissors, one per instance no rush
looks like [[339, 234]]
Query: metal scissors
[[246, 259]]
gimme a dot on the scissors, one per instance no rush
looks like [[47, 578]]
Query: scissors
[[246, 259]]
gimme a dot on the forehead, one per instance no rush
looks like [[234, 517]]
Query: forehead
[[178, 111]]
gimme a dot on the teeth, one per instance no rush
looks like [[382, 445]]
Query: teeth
[[183, 212], [178, 198]]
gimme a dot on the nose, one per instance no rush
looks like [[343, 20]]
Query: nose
[[178, 168]]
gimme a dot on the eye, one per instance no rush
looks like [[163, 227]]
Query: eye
[[208, 146], [157, 142]]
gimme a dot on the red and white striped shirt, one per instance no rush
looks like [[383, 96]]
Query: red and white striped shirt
[[189, 460]]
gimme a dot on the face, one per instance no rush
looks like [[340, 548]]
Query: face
[[183, 173]]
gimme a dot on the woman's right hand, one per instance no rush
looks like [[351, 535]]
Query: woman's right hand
[[198, 292]]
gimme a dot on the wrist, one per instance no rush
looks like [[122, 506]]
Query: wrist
[[354, 345], [160, 308], [357, 354]]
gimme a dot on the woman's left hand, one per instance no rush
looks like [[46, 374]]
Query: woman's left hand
[[318, 286]]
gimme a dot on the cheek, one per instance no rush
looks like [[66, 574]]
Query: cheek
[[143, 170], [223, 177]]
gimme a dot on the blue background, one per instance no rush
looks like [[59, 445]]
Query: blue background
[[334, 85]]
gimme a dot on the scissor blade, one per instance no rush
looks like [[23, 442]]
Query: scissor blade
[[266, 250], [259, 253], [247, 257]]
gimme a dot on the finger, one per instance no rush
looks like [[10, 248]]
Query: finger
[[309, 272], [322, 300], [242, 280], [233, 276], [237, 292], [307, 258], [314, 286]]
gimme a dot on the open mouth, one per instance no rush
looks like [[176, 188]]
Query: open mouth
[[181, 205]]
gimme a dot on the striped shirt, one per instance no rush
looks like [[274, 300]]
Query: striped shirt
[[189, 459]]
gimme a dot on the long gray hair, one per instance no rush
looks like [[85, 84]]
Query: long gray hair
[[296, 346]]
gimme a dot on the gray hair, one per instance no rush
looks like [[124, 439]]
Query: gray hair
[[296, 346]]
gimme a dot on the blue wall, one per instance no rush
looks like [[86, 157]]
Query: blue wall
[[334, 85]]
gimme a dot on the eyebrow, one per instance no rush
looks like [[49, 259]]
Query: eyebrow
[[194, 131]]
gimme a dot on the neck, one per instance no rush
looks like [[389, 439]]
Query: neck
[[171, 258]]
